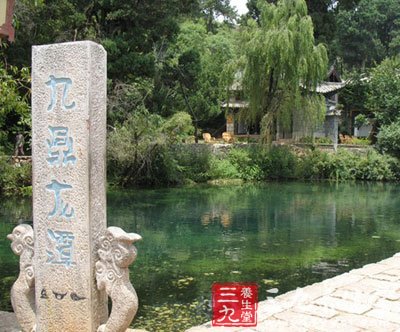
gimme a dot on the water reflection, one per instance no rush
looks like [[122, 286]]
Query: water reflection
[[216, 215]]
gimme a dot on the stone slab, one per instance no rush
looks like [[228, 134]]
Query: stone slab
[[276, 325], [343, 305], [354, 296], [69, 203], [385, 315], [367, 323], [316, 310], [314, 322]]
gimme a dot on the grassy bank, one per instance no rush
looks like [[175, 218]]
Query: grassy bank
[[183, 164]]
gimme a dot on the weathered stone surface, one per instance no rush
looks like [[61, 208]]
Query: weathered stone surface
[[391, 261], [69, 204], [116, 253], [386, 277], [314, 323], [8, 322], [357, 287], [380, 284], [276, 325], [365, 322], [316, 310], [354, 296], [388, 295], [343, 305], [269, 308], [370, 269], [394, 272], [385, 315], [388, 305], [341, 280]]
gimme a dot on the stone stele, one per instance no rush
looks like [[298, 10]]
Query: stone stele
[[69, 201]]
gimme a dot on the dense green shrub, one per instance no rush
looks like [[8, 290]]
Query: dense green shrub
[[178, 128], [146, 150], [383, 98], [389, 139], [174, 164], [345, 165], [193, 162], [245, 163], [15, 112], [375, 167], [15, 179], [222, 169], [314, 165], [280, 163], [360, 141], [139, 151]]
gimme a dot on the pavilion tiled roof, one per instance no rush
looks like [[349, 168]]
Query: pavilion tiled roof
[[329, 87], [236, 104]]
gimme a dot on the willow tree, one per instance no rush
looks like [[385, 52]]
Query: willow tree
[[282, 66]]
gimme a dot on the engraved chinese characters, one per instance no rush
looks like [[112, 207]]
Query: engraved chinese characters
[[60, 244], [66, 83], [60, 147], [69, 131]]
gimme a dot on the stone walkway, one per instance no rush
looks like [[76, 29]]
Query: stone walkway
[[366, 299]]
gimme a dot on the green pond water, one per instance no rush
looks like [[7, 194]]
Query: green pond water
[[279, 235]]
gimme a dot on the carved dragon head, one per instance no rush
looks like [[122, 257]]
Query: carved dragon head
[[117, 246], [22, 238], [116, 253]]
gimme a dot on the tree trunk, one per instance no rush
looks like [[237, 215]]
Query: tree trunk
[[195, 121], [196, 136]]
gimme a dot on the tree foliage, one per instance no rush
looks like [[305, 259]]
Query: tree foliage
[[321, 12], [14, 105], [354, 95], [189, 77], [368, 32], [211, 9], [323, 17], [383, 98], [282, 63], [137, 148], [45, 22], [129, 30], [388, 138], [178, 56]]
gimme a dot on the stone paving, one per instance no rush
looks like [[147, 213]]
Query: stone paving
[[365, 299]]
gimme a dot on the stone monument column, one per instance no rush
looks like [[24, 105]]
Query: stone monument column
[[69, 172]]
